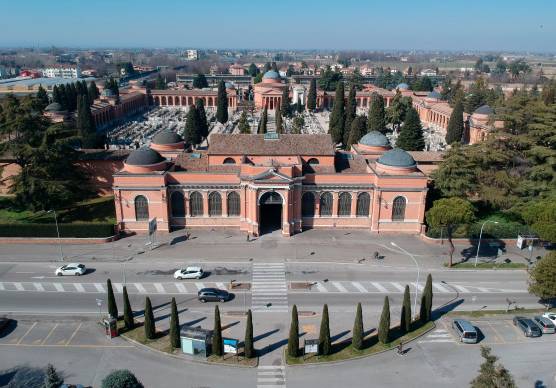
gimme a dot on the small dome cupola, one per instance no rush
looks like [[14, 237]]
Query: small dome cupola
[[167, 141], [396, 161], [374, 139], [271, 75], [144, 160]]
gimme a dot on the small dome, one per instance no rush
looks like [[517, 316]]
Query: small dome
[[374, 139], [434, 94], [107, 93], [397, 158], [144, 157], [271, 74], [484, 110], [53, 107], [402, 86], [167, 136]]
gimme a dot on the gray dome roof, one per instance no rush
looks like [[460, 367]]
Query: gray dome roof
[[271, 74], [53, 107], [402, 86], [144, 157], [397, 158], [107, 93], [484, 110], [374, 139], [434, 94], [167, 136]]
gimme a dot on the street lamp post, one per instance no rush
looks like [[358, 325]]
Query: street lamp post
[[417, 282], [480, 236], [58, 233]]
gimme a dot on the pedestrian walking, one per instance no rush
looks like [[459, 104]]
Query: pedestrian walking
[[248, 239], [400, 348]]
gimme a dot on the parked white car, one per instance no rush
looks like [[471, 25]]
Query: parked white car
[[189, 273], [551, 317], [75, 269]]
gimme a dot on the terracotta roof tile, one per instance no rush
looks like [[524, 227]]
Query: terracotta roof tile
[[286, 144]]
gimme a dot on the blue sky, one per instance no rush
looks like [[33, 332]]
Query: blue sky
[[341, 24]]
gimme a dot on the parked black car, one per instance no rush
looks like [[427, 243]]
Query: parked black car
[[529, 328], [213, 295]]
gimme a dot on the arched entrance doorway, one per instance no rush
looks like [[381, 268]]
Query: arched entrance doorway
[[270, 212]]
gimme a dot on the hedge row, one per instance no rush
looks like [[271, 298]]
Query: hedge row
[[49, 230], [503, 230]]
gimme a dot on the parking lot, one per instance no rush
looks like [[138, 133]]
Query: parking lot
[[57, 334]]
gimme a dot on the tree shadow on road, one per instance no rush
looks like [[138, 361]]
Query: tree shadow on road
[[264, 335]]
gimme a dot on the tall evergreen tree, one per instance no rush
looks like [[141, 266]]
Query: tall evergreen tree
[[202, 115], [85, 123], [411, 135], [56, 95], [357, 332], [405, 318], [71, 97], [285, 103], [384, 325], [112, 306], [336, 125], [325, 344], [299, 105], [192, 133], [128, 312], [253, 70], [426, 301], [351, 109], [278, 120], [42, 97], [92, 91], [51, 378], [293, 338], [160, 84], [248, 347], [175, 341], [274, 67], [217, 343], [222, 103], [312, 95], [149, 325], [492, 375], [63, 97], [263, 122], [454, 132], [266, 67], [200, 81], [357, 131], [377, 114], [243, 124]]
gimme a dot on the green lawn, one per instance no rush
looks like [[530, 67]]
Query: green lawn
[[91, 210], [486, 313], [471, 265], [344, 351]]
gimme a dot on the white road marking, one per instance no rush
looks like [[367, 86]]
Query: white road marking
[[440, 287], [220, 285], [180, 287], [320, 287], [19, 287], [359, 286], [159, 288], [379, 287], [461, 288], [140, 288], [398, 286], [79, 287], [199, 285], [38, 287], [339, 286], [58, 287], [99, 287]]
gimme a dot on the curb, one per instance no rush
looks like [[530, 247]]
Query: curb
[[325, 363]]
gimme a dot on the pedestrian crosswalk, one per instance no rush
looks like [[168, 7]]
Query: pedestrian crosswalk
[[271, 376], [368, 287], [269, 291], [438, 335]]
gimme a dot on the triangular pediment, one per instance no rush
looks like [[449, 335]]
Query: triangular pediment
[[273, 176]]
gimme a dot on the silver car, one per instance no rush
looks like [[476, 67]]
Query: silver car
[[545, 324]]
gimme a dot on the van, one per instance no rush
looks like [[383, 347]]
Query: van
[[465, 331]]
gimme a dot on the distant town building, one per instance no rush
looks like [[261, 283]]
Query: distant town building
[[191, 55], [428, 72], [62, 71], [236, 69]]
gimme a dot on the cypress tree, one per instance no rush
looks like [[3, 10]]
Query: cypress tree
[[454, 132], [112, 306], [263, 121], [285, 103], [357, 131], [174, 326], [377, 114], [200, 81], [411, 135], [62, 97], [222, 104], [150, 329], [243, 125], [357, 333], [92, 91], [293, 339], [249, 350], [202, 115], [405, 318], [266, 67], [274, 67], [128, 313], [253, 70], [351, 109], [191, 134], [56, 95], [384, 326], [426, 301], [312, 96], [336, 126], [217, 344], [51, 377], [42, 97], [325, 345], [300, 106], [279, 124]]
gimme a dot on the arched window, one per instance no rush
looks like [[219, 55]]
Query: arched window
[[177, 202], [326, 204], [398, 209], [344, 205], [215, 204], [308, 204], [141, 208], [229, 161], [313, 161], [363, 202], [233, 204], [195, 204]]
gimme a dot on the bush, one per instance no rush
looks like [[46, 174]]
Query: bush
[[82, 230], [121, 379]]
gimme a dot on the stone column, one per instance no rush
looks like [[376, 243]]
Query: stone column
[[205, 204], [224, 196], [335, 204], [353, 213]]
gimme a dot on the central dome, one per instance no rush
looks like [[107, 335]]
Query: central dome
[[484, 110], [271, 74], [397, 158], [402, 86], [144, 157], [167, 136], [374, 139]]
